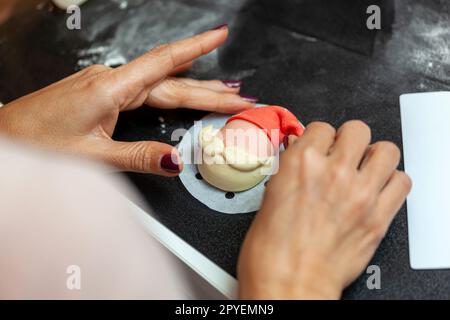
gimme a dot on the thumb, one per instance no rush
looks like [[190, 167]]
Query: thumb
[[146, 157]]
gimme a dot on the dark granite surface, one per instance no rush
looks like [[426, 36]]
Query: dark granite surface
[[314, 57]]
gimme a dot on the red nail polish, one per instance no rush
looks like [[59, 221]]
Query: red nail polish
[[169, 163], [221, 26], [234, 84], [249, 98]]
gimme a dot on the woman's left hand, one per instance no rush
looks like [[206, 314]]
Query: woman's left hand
[[78, 114]]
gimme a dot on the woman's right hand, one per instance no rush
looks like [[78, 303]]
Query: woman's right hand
[[324, 214]]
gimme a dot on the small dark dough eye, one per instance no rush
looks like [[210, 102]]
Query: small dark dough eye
[[199, 176], [229, 195]]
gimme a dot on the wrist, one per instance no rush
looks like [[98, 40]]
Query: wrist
[[310, 290], [313, 280], [321, 289], [313, 286], [318, 280]]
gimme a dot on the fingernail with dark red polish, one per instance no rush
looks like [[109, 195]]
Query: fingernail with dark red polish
[[169, 163], [221, 26], [234, 84], [249, 99]]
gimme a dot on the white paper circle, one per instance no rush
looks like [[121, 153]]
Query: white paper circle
[[216, 199]]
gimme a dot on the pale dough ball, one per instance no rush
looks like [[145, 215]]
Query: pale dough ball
[[235, 158]]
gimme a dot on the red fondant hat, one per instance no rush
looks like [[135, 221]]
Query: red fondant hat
[[272, 118]]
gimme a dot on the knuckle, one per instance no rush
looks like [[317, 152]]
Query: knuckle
[[377, 232], [180, 94], [322, 126], [173, 84], [357, 125], [301, 160], [97, 68], [292, 161], [94, 69], [388, 147], [219, 103], [96, 84], [92, 83], [405, 180], [174, 91], [315, 125], [340, 174], [363, 199], [304, 155], [164, 51], [177, 85], [161, 48]]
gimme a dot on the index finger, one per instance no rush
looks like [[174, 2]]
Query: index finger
[[319, 135], [162, 60]]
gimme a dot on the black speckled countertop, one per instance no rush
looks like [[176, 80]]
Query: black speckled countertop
[[314, 57]]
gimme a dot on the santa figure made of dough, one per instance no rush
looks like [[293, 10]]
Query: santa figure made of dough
[[240, 155]]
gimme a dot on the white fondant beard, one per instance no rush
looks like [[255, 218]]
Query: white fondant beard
[[230, 168]]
